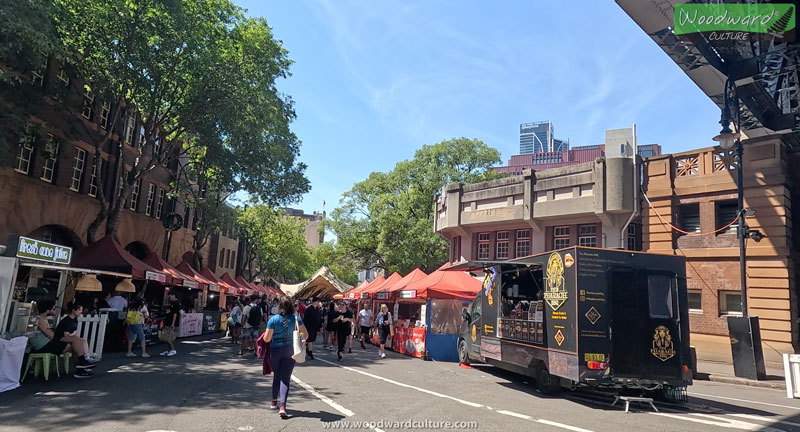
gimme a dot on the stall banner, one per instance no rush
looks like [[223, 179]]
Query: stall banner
[[409, 341], [191, 325], [152, 329], [223, 321], [211, 321]]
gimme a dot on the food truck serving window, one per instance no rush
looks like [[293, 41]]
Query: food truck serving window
[[659, 295]]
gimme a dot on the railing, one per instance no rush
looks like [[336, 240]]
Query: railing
[[93, 329], [791, 368], [707, 161]]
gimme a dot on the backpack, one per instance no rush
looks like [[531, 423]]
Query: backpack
[[254, 316], [133, 317]]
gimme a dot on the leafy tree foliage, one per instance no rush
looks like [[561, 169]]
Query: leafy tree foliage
[[278, 243], [333, 255], [386, 221]]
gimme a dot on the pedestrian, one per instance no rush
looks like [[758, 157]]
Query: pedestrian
[[117, 302], [301, 309], [350, 334], [65, 338], [313, 324], [264, 305], [236, 315], [330, 326], [365, 323], [251, 324], [274, 310], [136, 317], [171, 323], [342, 319], [279, 332], [385, 327]]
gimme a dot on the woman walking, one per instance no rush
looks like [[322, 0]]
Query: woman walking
[[342, 320], [136, 317], [279, 332], [236, 314], [385, 327], [330, 326]]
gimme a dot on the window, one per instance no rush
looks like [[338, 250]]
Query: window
[[161, 196], [659, 296], [587, 235], [77, 170], [561, 237], [523, 245], [130, 123], [142, 136], [730, 303], [151, 197], [135, 195], [695, 301], [156, 147], [690, 218], [502, 245], [228, 252], [726, 213], [105, 111], [122, 181], [51, 153], [88, 101], [483, 245], [62, 76], [222, 257], [233, 260], [25, 152], [455, 246], [93, 179], [633, 243]]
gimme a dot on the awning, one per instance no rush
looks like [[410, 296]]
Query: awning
[[107, 254], [71, 269], [249, 285], [443, 284], [224, 287], [394, 288], [178, 277], [372, 290], [356, 293], [187, 269], [323, 284], [232, 283]]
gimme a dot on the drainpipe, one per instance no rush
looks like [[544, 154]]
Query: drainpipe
[[624, 232]]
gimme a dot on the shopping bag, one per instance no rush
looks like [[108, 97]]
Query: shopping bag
[[299, 347]]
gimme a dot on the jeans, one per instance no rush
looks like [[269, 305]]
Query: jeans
[[136, 331], [282, 367]]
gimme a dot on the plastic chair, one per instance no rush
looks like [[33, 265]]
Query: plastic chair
[[41, 361], [67, 356]]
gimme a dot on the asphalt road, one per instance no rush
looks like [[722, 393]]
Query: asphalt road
[[207, 387]]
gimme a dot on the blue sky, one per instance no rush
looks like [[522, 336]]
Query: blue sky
[[375, 80]]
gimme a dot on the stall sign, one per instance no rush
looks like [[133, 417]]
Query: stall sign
[[409, 341], [189, 283], [154, 276], [38, 250], [191, 325], [364, 295], [410, 294], [382, 296], [214, 287]]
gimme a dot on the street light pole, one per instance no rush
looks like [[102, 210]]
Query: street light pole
[[742, 231]]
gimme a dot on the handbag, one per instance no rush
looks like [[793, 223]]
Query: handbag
[[299, 347]]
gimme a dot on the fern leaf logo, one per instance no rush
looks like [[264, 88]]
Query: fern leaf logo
[[782, 22]]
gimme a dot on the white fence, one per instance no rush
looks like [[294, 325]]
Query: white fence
[[791, 368], [93, 329]]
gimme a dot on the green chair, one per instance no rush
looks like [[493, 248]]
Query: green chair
[[67, 356], [41, 361]]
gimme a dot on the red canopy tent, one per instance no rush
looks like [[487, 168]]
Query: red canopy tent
[[373, 289], [443, 284], [356, 292], [394, 288], [229, 280], [107, 254], [187, 269], [352, 292], [272, 290], [178, 277], [225, 287], [249, 285]]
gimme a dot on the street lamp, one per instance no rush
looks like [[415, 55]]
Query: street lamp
[[748, 358]]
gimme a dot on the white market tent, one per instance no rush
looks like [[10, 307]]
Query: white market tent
[[323, 284]]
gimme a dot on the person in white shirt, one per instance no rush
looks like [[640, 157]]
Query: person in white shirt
[[117, 302], [365, 322]]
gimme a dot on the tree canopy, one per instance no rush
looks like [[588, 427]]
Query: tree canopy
[[386, 220]]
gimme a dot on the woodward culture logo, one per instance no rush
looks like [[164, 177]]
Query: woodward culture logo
[[735, 22]]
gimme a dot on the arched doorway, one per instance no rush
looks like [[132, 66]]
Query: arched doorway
[[138, 249], [58, 234]]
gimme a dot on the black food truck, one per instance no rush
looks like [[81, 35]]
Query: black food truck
[[609, 319]]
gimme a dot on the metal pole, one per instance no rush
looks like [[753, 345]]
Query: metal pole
[[742, 232]]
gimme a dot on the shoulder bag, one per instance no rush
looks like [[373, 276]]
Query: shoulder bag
[[299, 347]]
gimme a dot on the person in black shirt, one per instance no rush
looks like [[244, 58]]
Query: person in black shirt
[[171, 322], [313, 323], [342, 320], [65, 338]]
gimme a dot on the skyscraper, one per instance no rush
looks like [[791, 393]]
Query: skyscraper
[[539, 137]]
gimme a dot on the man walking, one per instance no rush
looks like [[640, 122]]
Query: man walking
[[313, 323], [365, 322], [252, 324], [171, 323]]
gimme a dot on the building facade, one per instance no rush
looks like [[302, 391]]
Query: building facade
[[314, 237], [538, 137], [559, 159], [695, 192]]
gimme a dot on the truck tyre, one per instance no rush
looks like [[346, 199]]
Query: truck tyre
[[546, 383], [463, 354]]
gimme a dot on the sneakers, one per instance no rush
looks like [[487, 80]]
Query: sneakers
[[163, 354], [82, 373], [130, 354], [349, 350], [309, 355], [273, 404], [383, 355], [145, 355], [339, 355], [171, 353], [282, 412], [363, 346], [82, 363]]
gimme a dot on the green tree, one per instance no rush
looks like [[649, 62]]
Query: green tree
[[337, 259], [386, 221], [278, 243]]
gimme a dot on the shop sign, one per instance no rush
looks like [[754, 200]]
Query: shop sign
[[189, 283], [382, 296], [213, 287], [410, 294], [154, 276], [38, 250], [364, 295]]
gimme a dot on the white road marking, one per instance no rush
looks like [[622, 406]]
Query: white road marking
[[562, 425], [744, 400], [765, 419], [513, 414], [323, 398], [719, 421]]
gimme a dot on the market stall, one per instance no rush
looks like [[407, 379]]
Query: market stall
[[228, 294], [240, 290], [323, 285], [188, 290], [212, 288]]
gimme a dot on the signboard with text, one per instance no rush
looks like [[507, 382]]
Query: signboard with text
[[38, 250]]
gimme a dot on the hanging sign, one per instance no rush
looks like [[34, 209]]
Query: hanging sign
[[154, 276], [410, 294], [189, 283], [382, 296], [38, 250]]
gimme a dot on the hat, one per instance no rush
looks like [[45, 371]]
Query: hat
[[314, 299]]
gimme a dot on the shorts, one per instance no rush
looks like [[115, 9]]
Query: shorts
[[134, 331], [250, 332], [365, 330], [167, 335], [56, 347], [384, 332]]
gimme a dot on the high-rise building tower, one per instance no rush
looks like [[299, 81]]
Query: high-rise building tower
[[539, 137]]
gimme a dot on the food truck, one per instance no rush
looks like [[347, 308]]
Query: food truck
[[609, 319]]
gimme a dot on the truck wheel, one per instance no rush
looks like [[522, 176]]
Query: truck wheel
[[547, 383], [463, 355]]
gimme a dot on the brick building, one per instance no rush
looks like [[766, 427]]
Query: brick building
[[559, 159], [696, 192]]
